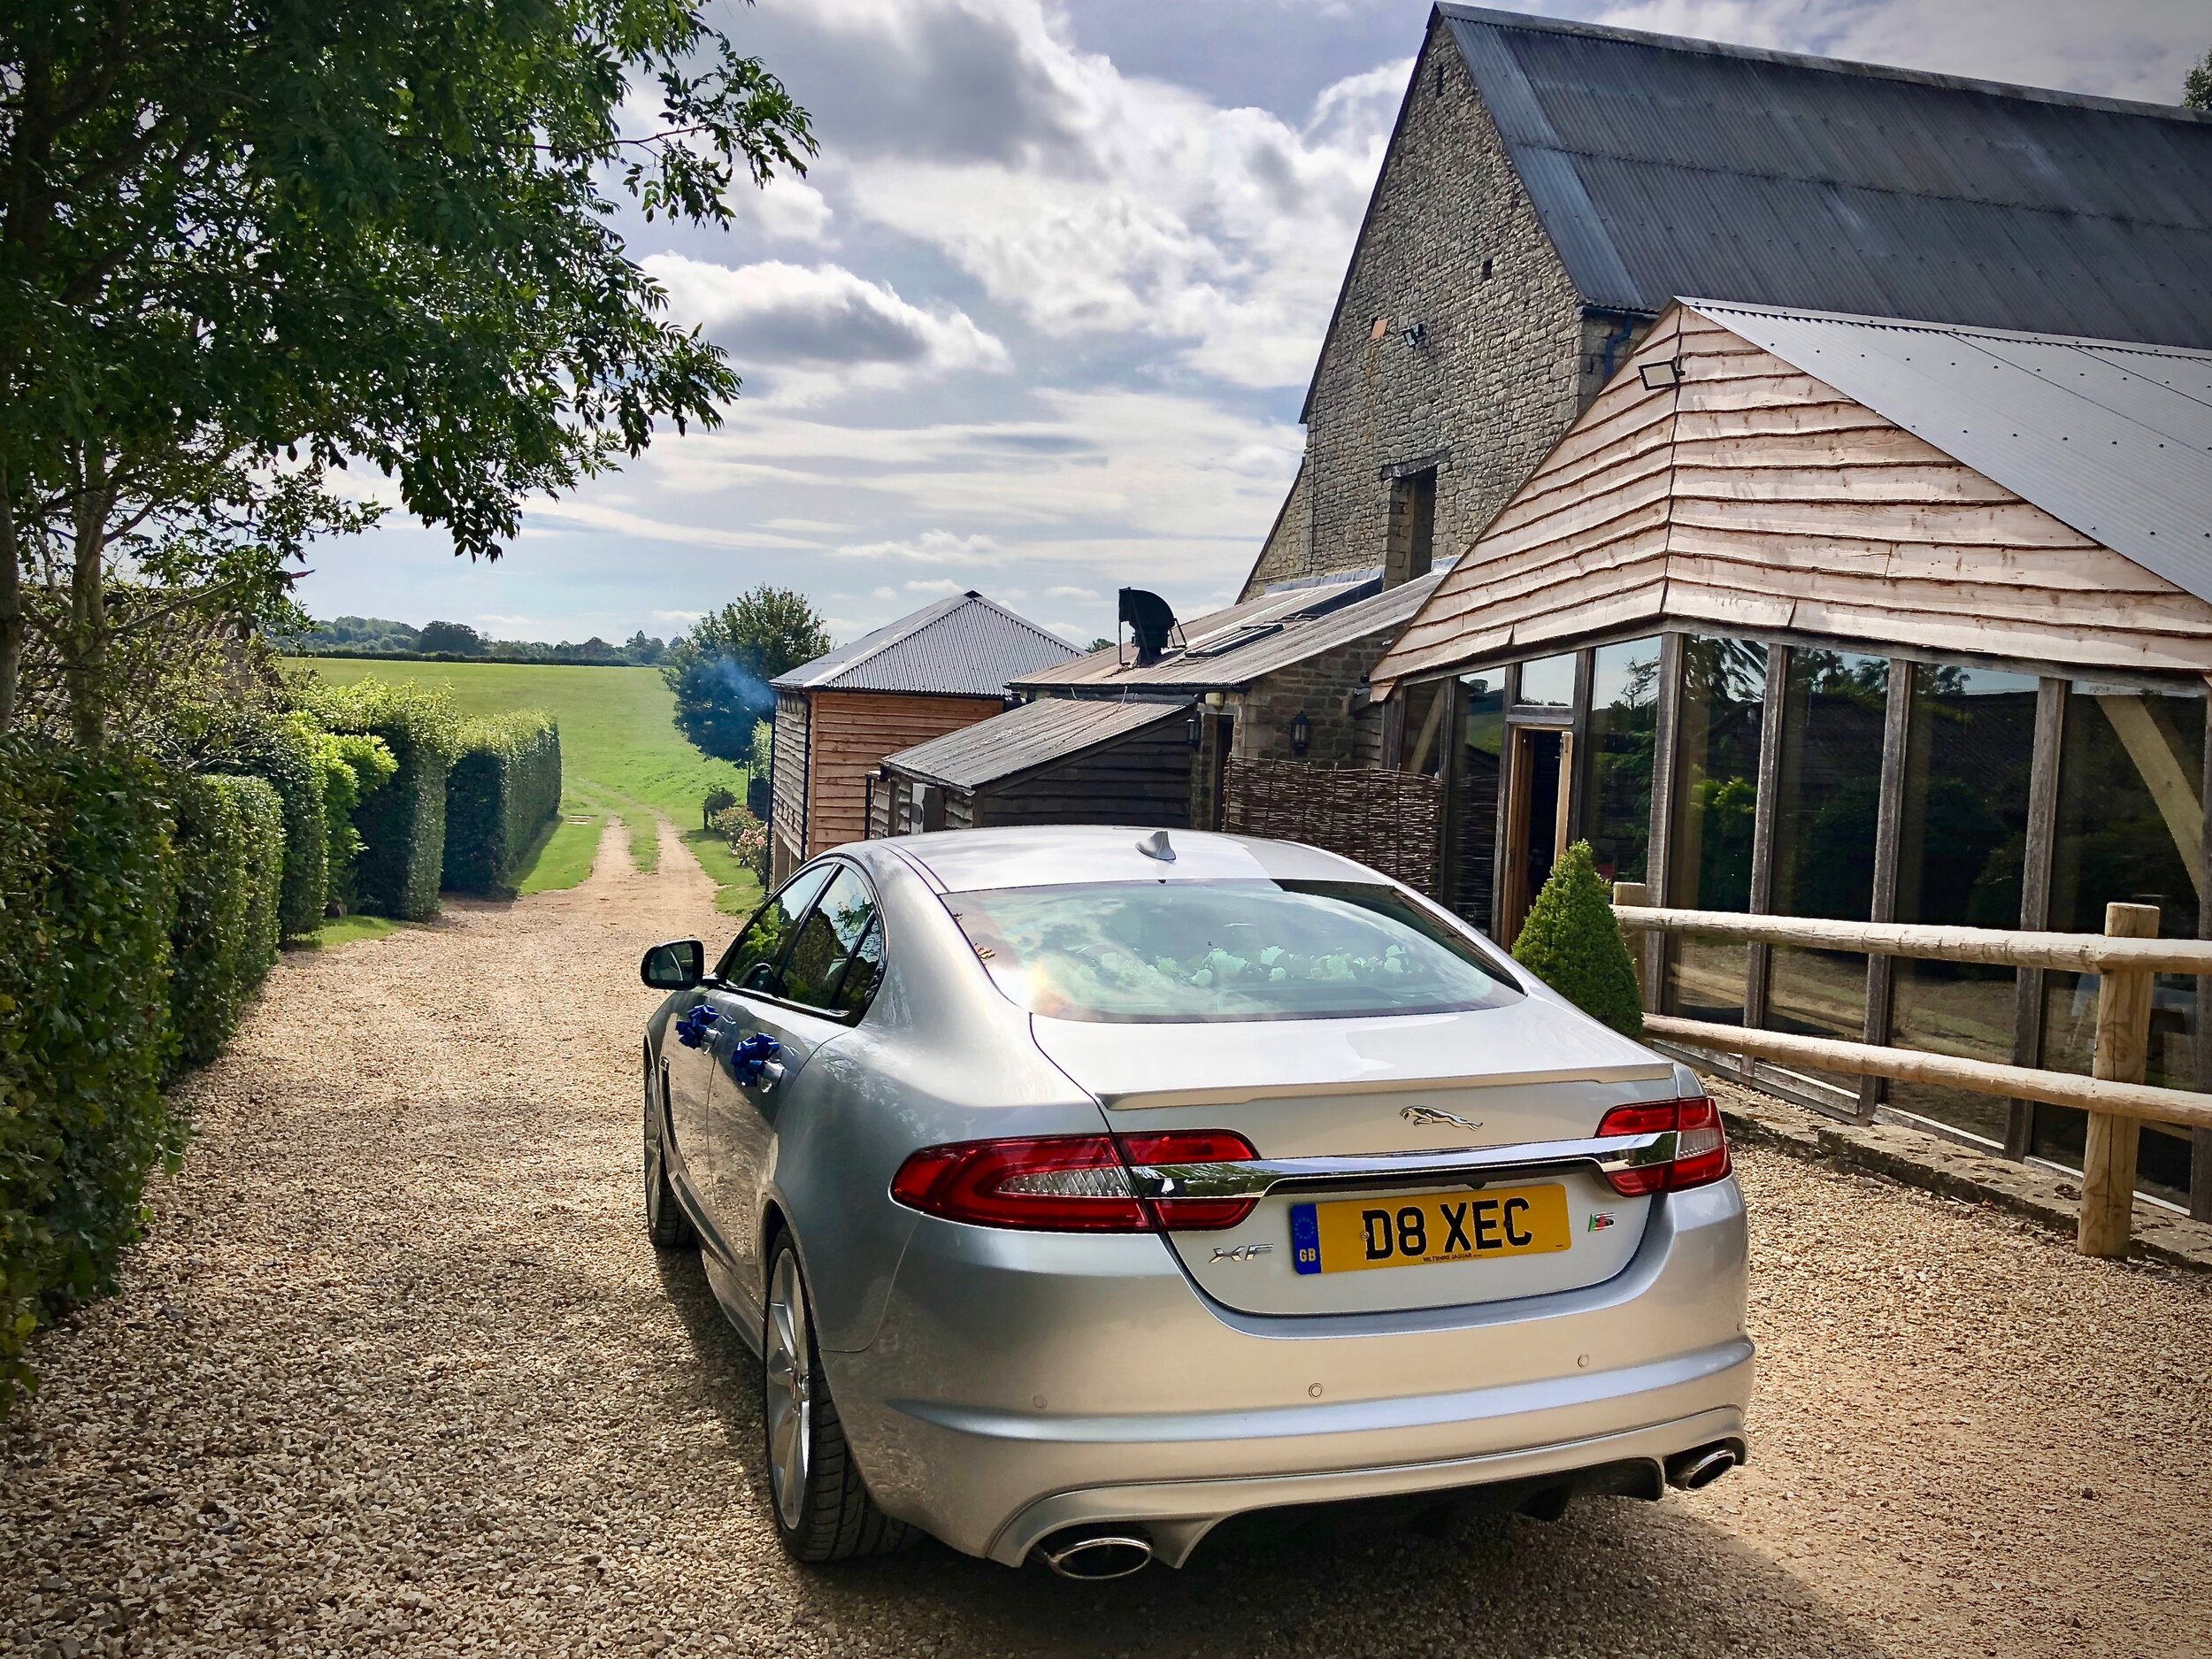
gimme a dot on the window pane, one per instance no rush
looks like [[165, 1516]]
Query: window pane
[[1482, 741], [857, 990], [752, 955], [1144, 951], [1962, 844], [1548, 682], [2131, 826], [827, 937], [1617, 757], [1827, 802], [1717, 799]]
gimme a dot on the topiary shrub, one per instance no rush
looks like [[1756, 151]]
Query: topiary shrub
[[1571, 942], [87, 891], [504, 787], [401, 821], [281, 748], [230, 876], [716, 801]]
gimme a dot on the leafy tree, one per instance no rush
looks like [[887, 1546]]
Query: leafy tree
[[245, 242], [1571, 942], [456, 638], [2196, 86], [720, 670]]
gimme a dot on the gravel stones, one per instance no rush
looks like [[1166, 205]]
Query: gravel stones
[[395, 1373]]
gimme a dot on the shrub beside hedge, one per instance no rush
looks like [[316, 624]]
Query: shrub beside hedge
[[87, 894], [230, 876], [504, 787], [401, 821], [283, 751]]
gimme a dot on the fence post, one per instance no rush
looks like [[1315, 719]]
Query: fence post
[[1635, 895], [2123, 1036]]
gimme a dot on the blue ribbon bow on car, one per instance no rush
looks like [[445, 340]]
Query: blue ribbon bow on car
[[696, 1025], [750, 1057]]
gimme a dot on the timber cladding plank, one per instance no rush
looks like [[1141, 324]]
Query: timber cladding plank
[[853, 732]]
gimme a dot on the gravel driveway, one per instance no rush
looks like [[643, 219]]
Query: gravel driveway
[[396, 1373]]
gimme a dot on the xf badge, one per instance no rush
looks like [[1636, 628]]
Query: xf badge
[[1240, 1252]]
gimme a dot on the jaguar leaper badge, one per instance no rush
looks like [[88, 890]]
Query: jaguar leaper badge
[[1435, 1115]]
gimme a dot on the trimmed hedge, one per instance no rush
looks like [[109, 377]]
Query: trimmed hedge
[[284, 751], [346, 768], [87, 894], [230, 877], [1572, 943], [504, 787], [401, 821]]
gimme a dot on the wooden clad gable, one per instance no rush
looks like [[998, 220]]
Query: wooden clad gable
[[788, 811], [852, 732], [1753, 497]]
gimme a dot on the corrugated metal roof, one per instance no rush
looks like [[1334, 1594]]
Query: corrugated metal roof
[[1663, 166], [2111, 438], [965, 646], [1023, 739], [1310, 623]]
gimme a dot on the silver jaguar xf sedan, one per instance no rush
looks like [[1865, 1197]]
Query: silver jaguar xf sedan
[[1080, 1189]]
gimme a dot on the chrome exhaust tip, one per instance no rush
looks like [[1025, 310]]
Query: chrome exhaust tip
[[1690, 1471], [1095, 1557]]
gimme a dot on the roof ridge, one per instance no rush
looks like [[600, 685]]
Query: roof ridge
[[1498, 19], [1914, 325]]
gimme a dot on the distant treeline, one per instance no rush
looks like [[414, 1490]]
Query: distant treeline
[[457, 643]]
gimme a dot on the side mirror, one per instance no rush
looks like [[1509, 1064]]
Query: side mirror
[[676, 965]]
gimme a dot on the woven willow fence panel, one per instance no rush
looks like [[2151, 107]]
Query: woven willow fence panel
[[1392, 821]]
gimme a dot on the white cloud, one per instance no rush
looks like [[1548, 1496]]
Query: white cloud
[[681, 619], [1104, 204], [1071, 592], [933, 547], [822, 318], [943, 588]]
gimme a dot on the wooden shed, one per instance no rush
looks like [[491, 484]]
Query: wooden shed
[[1864, 619], [944, 667], [1056, 761]]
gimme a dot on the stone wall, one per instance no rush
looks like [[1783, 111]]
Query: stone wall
[[1453, 244], [1332, 689]]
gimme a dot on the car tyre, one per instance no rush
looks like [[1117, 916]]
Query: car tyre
[[665, 1223], [821, 1505]]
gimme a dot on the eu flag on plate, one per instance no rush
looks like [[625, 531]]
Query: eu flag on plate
[[1305, 1240]]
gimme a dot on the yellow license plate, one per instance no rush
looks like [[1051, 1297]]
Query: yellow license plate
[[1407, 1229]]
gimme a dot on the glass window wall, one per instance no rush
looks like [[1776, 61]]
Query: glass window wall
[[1616, 754], [1826, 803], [1962, 833], [2130, 827], [1716, 797], [1482, 747], [1548, 682]]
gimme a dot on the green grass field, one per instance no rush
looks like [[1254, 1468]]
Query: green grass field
[[621, 757]]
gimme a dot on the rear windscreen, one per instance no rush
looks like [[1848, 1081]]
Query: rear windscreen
[[1223, 950]]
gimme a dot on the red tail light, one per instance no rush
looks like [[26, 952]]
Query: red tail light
[[1700, 1145], [1068, 1183]]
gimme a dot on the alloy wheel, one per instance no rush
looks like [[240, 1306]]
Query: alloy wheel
[[790, 1367]]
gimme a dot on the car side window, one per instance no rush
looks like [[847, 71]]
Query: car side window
[[815, 964], [750, 964], [863, 973]]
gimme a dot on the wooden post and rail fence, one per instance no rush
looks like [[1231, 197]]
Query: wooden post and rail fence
[[2126, 957]]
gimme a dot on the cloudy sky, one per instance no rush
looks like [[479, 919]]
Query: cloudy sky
[[1039, 320]]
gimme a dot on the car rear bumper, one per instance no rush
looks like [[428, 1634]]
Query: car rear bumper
[[1022, 1383], [1518, 1436]]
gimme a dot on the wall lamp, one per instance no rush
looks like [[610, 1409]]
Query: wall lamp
[[1657, 377], [1196, 729], [1301, 733], [1416, 336]]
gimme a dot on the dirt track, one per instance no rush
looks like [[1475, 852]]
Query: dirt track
[[395, 1373]]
